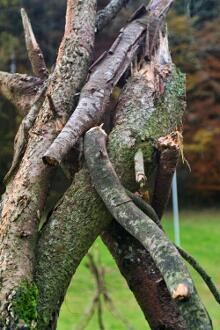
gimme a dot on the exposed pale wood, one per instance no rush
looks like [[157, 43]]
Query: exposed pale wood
[[34, 52], [140, 176]]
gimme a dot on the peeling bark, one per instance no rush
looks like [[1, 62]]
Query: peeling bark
[[95, 94]]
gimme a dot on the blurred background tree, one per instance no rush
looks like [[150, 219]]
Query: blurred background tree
[[194, 36]]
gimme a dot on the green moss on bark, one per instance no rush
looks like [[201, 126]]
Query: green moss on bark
[[24, 305]]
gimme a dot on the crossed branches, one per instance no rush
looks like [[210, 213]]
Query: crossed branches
[[44, 262]]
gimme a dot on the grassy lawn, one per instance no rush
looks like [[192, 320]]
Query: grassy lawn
[[200, 234]]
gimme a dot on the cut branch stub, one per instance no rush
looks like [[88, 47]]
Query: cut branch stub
[[133, 219]]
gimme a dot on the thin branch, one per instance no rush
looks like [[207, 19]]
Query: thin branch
[[106, 15], [34, 52], [149, 211], [132, 219], [88, 313], [200, 270], [19, 89]]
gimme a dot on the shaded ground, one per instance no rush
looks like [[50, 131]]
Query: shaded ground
[[200, 232]]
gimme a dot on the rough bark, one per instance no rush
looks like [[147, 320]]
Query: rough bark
[[95, 94], [168, 153], [73, 227], [153, 119], [106, 15], [141, 128], [25, 195], [19, 89], [132, 219], [144, 229], [34, 52]]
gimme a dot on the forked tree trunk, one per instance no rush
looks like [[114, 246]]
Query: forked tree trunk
[[37, 266]]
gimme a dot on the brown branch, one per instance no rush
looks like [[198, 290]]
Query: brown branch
[[21, 138], [95, 94], [106, 15], [69, 27], [19, 89], [34, 52], [169, 149], [25, 195]]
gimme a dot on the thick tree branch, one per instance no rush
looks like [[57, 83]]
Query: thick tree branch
[[34, 52], [95, 94], [164, 254], [132, 219], [106, 15], [25, 195], [108, 71], [19, 89], [140, 121]]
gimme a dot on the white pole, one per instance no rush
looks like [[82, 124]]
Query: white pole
[[13, 63], [176, 221]]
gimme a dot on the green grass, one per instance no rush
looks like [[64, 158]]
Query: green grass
[[200, 234]]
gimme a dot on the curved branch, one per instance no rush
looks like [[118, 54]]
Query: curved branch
[[132, 219], [19, 89], [149, 211], [34, 52], [164, 254]]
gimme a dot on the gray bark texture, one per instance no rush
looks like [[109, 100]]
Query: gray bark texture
[[36, 266], [25, 195]]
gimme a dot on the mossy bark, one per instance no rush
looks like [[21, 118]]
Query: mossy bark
[[26, 192]]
